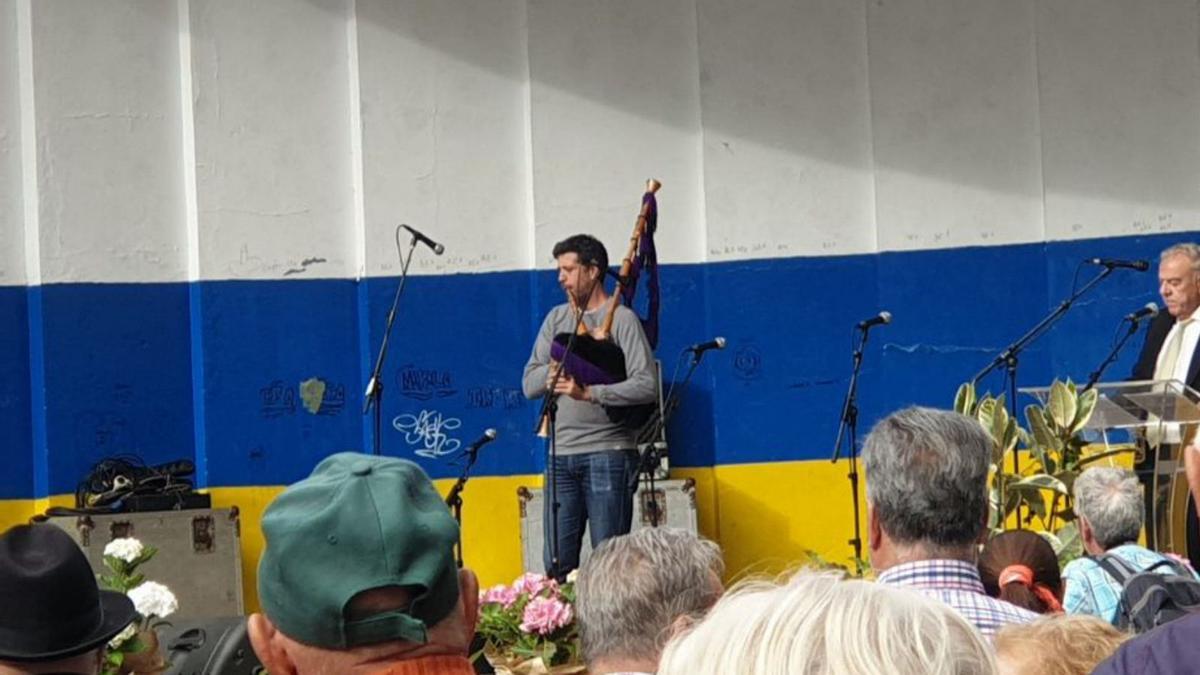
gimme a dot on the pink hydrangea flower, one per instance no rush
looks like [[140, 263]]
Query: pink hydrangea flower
[[532, 584], [500, 594], [545, 615]]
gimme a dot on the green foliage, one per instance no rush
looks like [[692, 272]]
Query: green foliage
[[500, 625], [857, 567], [124, 576], [1055, 448]]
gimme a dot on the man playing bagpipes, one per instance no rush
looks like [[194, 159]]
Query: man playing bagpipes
[[595, 461]]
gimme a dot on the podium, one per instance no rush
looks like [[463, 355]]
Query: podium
[[1160, 418]]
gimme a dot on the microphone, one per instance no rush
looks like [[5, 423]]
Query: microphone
[[437, 248], [882, 317], [487, 437], [1139, 265], [1148, 312], [715, 343]]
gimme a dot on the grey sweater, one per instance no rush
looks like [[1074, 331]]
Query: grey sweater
[[583, 426]]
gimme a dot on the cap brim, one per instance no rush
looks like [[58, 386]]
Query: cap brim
[[118, 613]]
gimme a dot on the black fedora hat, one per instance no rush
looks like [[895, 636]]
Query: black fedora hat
[[51, 605]]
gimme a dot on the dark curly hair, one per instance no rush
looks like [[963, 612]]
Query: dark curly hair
[[589, 249]]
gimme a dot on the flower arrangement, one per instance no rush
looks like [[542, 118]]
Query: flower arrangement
[[529, 627], [135, 649]]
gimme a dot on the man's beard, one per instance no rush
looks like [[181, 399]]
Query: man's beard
[[583, 296]]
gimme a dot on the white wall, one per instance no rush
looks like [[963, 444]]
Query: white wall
[[787, 129], [273, 166], [1120, 112], [615, 102], [445, 132], [109, 171], [955, 124], [12, 252], [778, 128]]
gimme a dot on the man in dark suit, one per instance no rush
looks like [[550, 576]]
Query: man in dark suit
[[1170, 353], [1179, 285]]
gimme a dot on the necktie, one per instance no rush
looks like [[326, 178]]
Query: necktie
[[1164, 369]]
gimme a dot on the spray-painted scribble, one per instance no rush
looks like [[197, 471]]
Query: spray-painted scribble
[[277, 399], [507, 398], [334, 399], [304, 266], [316, 396], [427, 431], [424, 384], [747, 363], [102, 432]]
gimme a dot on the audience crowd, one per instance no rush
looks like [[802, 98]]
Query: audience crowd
[[359, 577]]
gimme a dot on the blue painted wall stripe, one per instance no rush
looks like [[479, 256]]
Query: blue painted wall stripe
[[263, 342], [367, 349], [196, 339], [116, 364], [16, 382], [258, 380], [38, 402]]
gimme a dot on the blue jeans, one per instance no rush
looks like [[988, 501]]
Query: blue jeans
[[594, 489]]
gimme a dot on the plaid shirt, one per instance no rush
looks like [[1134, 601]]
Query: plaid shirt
[[957, 584], [1089, 589]]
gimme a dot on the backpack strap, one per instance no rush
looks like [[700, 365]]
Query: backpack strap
[[1118, 569], [1176, 567]]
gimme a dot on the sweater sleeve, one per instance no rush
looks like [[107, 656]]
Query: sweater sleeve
[[538, 367]]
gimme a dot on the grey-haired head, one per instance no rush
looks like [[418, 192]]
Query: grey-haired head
[[633, 588], [1110, 500], [926, 474]]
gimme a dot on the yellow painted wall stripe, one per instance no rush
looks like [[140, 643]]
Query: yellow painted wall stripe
[[765, 516]]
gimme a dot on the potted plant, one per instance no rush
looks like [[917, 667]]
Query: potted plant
[[529, 627], [1056, 454], [135, 650]]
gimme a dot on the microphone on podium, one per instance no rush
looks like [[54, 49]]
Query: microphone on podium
[[1148, 312]]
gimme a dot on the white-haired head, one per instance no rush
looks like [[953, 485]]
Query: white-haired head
[[816, 623]]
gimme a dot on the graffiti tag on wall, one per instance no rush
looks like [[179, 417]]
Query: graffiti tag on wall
[[424, 384], [507, 398], [313, 396], [426, 432]]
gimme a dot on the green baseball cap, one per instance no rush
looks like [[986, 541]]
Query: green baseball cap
[[357, 523]]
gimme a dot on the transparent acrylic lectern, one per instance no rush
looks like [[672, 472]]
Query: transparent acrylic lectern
[[1159, 418]]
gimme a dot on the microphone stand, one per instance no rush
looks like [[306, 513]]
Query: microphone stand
[[1134, 324], [848, 430], [650, 458], [374, 394], [1009, 358], [454, 500]]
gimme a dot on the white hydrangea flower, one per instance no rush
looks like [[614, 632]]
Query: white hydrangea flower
[[572, 576], [126, 548], [123, 636], [153, 599]]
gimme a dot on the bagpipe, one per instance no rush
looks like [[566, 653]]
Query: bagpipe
[[592, 357]]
